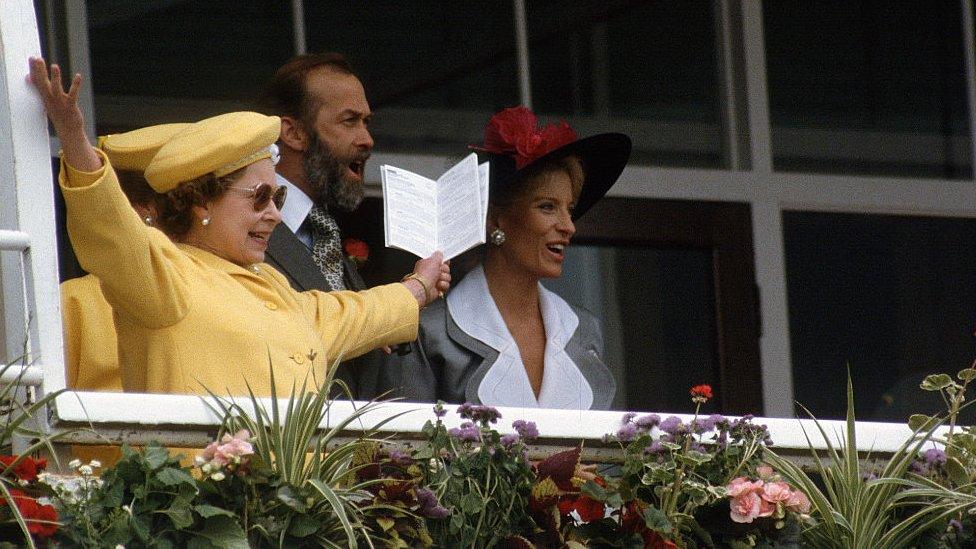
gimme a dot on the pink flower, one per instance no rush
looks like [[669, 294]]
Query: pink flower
[[764, 471], [230, 449], [745, 507], [798, 502], [741, 485], [775, 492]]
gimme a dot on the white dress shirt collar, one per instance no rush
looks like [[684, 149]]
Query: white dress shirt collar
[[506, 383], [297, 205]]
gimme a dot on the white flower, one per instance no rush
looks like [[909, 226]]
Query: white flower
[[85, 470], [120, 546], [95, 463], [74, 464], [218, 476], [199, 460]]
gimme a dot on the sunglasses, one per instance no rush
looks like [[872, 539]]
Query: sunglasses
[[262, 194]]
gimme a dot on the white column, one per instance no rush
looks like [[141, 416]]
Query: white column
[[25, 182], [298, 24], [767, 224], [522, 53], [79, 59]]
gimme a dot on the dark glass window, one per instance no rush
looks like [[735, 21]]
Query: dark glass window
[[868, 87], [647, 69], [893, 298], [220, 49], [657, 307], [434, 71]]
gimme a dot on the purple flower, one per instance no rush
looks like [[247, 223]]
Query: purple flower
[[479, 413], [525, 429], [439, 409], [627, 432], [671, 425], [400, 458], [654, 448], [934, 456], [509, 440], [467, 431], [956, 524], [627, 418], [648, 422], [429, 506]]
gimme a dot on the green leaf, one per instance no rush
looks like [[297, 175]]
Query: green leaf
[[656, 520], [919, 422], [471, 504], [180, 515], [155, 456], [303, 526], [208, 511], [956, 471], [221, 533], [936, 382], [968, 374], [172, 477]]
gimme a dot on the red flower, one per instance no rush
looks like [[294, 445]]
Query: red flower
[[41, 519], [701, 393], [513, 132], [26, 469], [356, 249]]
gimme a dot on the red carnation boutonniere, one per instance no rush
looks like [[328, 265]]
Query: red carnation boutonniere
[[356, 250], [514, 132]]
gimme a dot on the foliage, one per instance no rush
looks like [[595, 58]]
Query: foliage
[[481, 477], [672, 488], [22, 514], [300, 486], [146, 500], [854, 507]]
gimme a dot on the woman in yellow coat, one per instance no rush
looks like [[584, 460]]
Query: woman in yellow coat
[[91, 357], [204, 313]]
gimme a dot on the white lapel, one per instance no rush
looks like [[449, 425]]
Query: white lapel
[[506, 383]]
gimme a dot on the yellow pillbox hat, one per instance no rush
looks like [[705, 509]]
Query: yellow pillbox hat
[[217, 145], [135, 150]]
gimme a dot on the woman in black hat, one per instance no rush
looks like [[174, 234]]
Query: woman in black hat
[[500, 338]]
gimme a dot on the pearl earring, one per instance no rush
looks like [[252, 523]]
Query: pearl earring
[[148, 221], [206, 221], [497, 237]]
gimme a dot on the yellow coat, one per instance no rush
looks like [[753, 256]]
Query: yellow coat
[[188, 321], [90, 347]]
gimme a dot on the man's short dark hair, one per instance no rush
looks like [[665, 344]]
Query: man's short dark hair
[[287, 94]]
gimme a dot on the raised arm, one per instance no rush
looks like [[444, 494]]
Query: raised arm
[[63, 111]]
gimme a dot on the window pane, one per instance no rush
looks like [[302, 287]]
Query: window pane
[[868, 87], [434, 72], [216, 49], [644, 68], [658, 312], [144, 52], [893, 297]]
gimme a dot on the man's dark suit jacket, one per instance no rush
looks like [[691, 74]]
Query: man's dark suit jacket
[[290, 256]]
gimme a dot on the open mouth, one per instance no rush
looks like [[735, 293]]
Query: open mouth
[[357, 169], [260, 237], [557, 249]]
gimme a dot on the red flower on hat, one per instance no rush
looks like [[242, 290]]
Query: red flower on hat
[[357, 250], [514, 132]]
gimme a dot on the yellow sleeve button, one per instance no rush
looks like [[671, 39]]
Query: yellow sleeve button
[[271, 305]]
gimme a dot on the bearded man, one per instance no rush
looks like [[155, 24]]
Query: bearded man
[[324, 145]]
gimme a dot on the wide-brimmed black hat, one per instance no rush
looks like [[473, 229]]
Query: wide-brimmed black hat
[[513, 144]]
